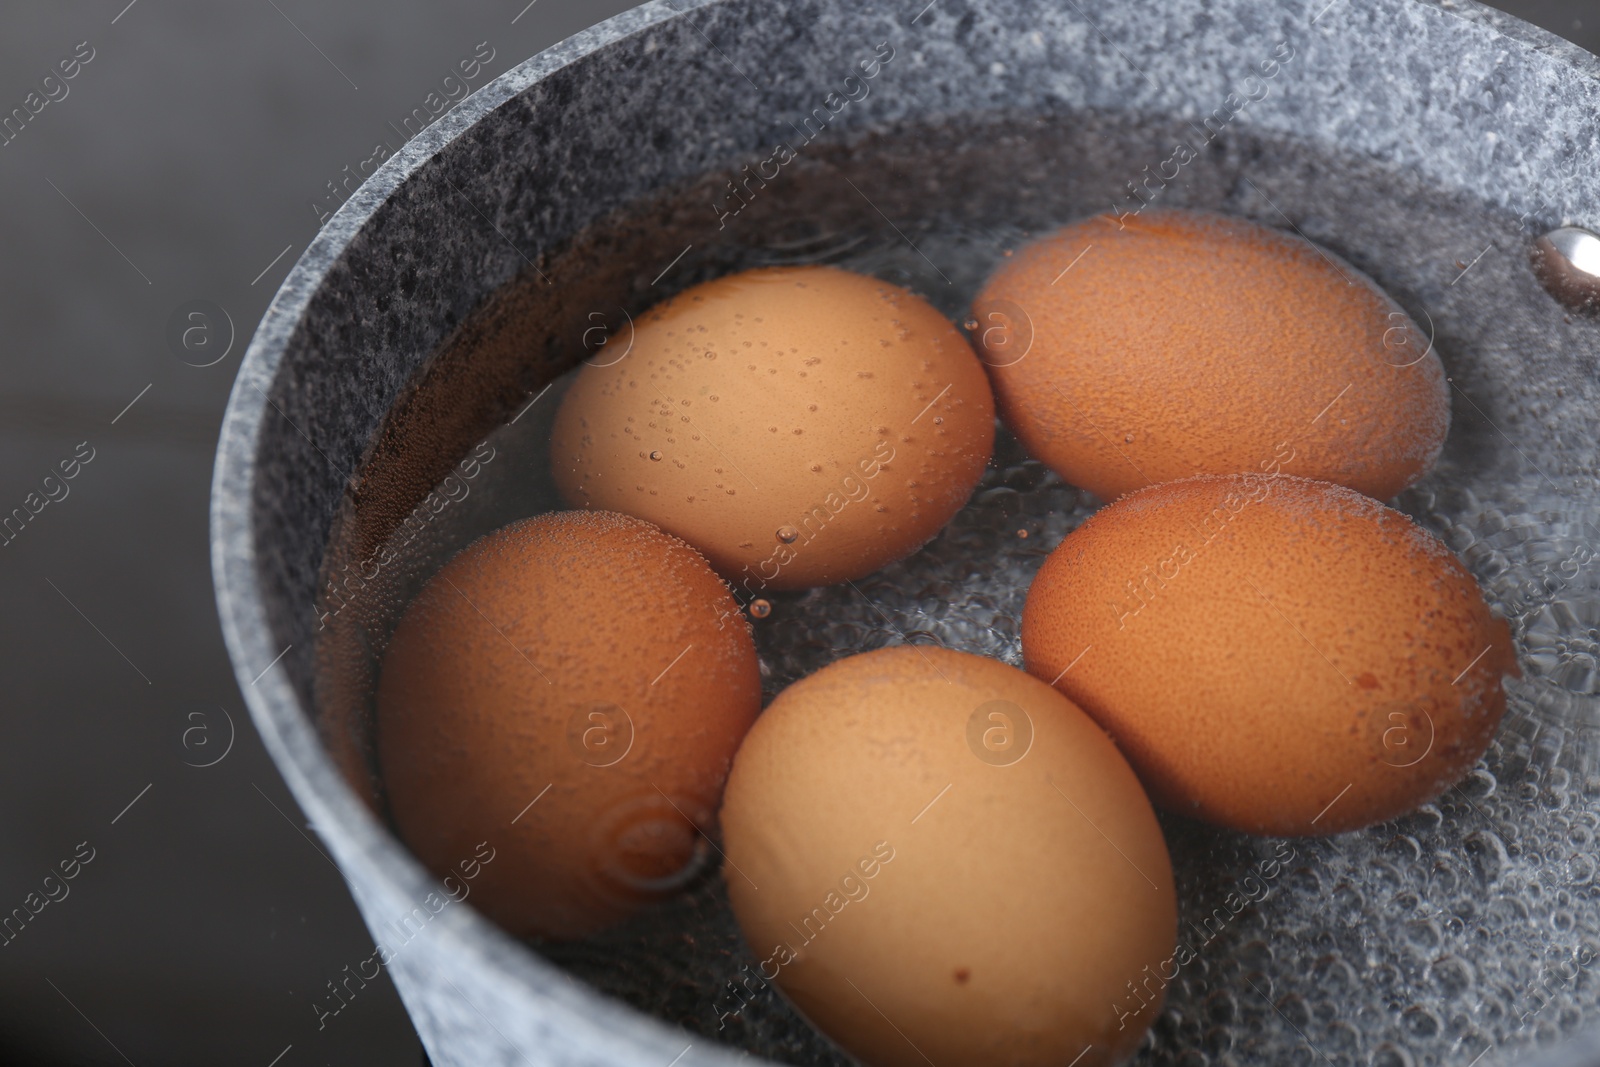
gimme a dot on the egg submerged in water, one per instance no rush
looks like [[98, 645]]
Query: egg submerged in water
[[1132, 350], [800, 426], [935, 856], [1274, 654], [568, 692]]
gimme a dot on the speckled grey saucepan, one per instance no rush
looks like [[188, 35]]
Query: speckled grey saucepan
[[1470, 101]]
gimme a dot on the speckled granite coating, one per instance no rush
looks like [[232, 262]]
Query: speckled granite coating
[[1468, 100]]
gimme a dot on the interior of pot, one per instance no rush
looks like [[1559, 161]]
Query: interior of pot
[[528, 242]]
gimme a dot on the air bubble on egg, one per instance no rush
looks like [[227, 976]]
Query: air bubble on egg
[[821, 338]]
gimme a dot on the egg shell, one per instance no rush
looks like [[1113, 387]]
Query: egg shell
[[1273, 654], [935, 855], [801, 426], [568, 690], [1131, 350]]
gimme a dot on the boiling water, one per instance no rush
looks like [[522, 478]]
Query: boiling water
[[1468, 928]]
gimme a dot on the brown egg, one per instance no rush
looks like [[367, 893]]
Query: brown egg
[[569, 690], [939, 859], [1273, 654], [1128, 351], [800, 426]]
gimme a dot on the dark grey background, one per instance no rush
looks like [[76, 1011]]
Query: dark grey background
[[185, 157]]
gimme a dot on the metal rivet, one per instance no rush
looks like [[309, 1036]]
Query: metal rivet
[[1567, 262]]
